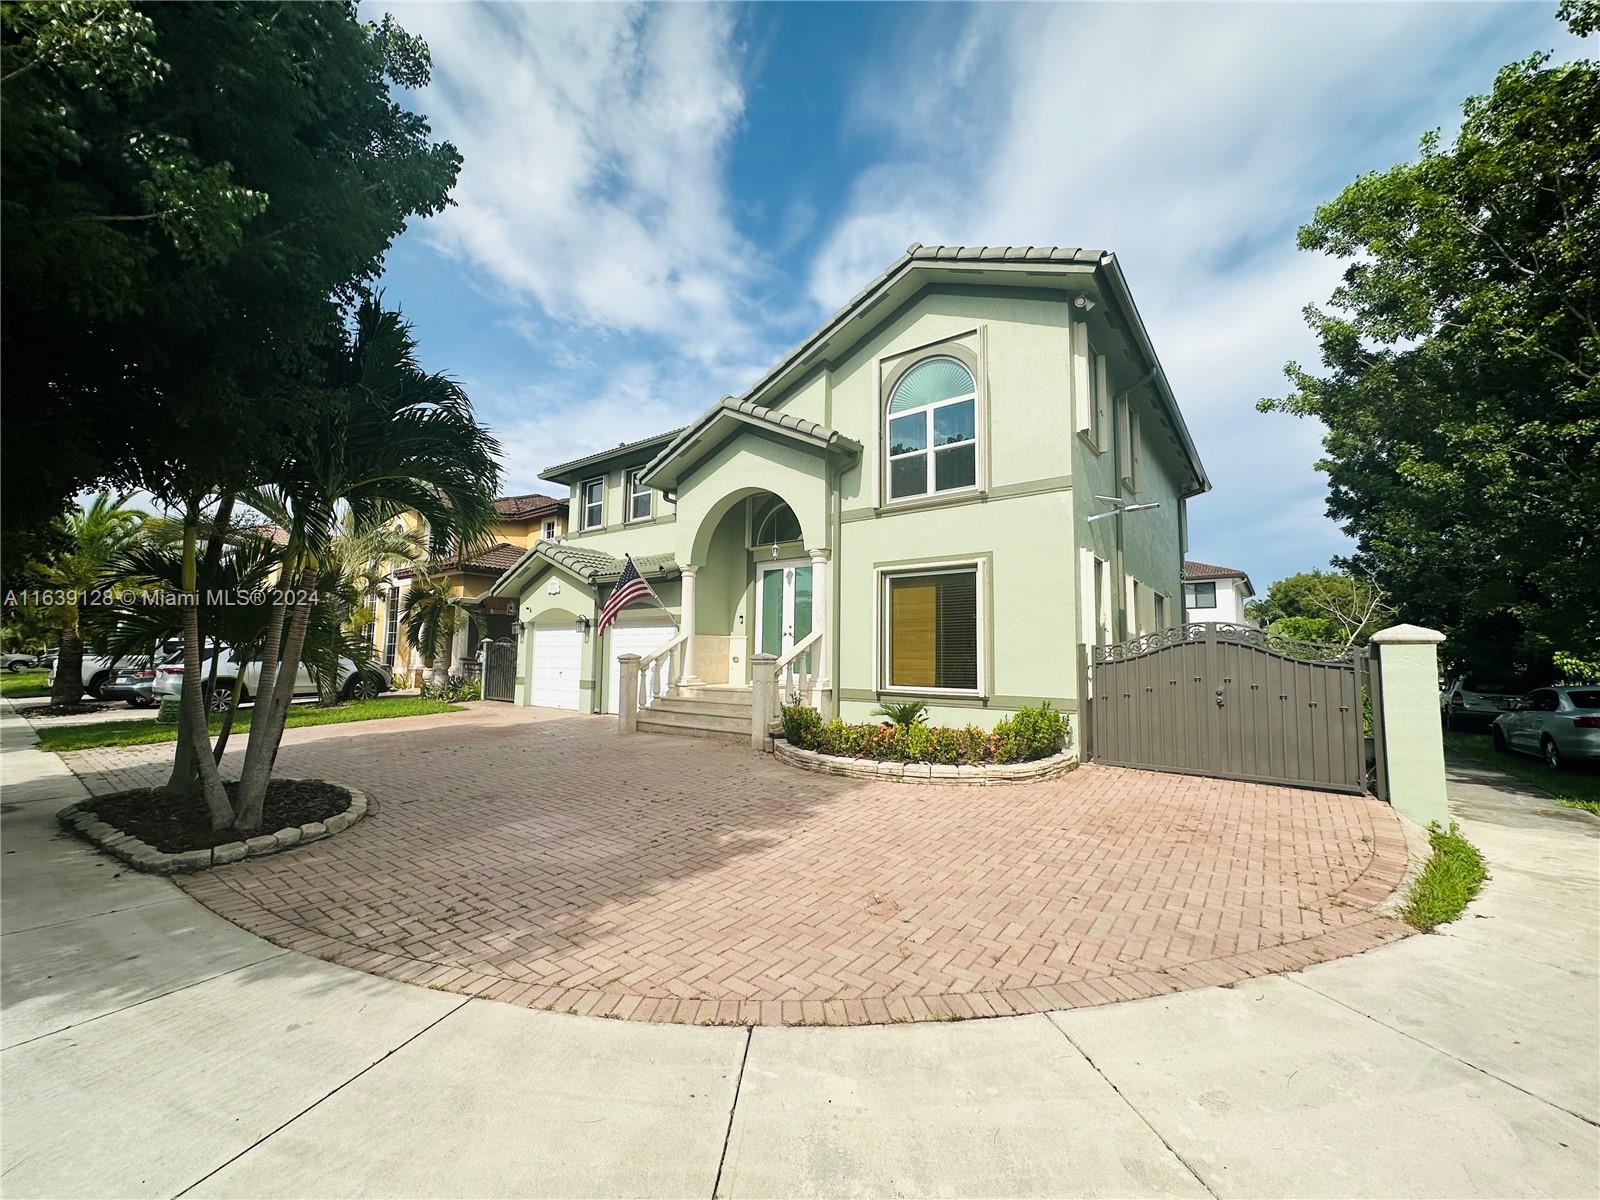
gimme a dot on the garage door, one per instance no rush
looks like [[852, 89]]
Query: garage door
[[645, 637], [557, 654]]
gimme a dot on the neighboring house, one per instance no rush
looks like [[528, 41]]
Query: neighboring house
[[1213, 593], [906, 497], [523, 521]]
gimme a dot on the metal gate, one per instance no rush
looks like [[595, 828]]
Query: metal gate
[[500, 670], [1227, 700]]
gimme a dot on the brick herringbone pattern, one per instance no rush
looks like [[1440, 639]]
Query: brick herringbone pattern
[[543, 860]]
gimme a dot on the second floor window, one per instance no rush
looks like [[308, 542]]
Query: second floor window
[[549, 530], [594, 504], [638, 497], [932, 439], [1199, 595]]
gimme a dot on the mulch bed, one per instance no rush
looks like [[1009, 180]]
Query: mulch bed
[[63, 710], [177, 823]]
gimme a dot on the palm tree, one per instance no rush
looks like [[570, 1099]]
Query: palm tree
[[95, 536], [390, 437], [431, 615]]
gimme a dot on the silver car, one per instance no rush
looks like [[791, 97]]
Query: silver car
[[1468, 702], [1559, 724]]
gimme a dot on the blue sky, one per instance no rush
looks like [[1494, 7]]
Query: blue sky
[[657, 202]]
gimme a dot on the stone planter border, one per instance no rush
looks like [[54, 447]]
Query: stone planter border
[[985, 775], [142, 856]]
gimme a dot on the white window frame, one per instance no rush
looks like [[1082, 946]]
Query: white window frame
[[549, 530], [930, 450], [631, 491], [583, 503], [974, 568]]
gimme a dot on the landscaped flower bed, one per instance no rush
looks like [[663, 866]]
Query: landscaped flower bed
[[1027, 746]]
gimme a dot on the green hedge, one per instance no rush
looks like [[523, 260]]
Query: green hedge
[[1029, 734]]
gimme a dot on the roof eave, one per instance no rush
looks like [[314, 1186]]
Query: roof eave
[[570, 472]]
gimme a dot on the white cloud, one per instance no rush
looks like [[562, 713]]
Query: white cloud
[[594, 140], [1191, 140]]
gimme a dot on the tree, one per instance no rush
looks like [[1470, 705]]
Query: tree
[[194, 195], [1460, 356], [1322, 606], [94, 537], [431, 615], [389, 438]]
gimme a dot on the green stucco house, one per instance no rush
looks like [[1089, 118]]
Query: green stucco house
[[904, 507]]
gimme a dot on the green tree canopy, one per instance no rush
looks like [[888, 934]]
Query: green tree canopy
[[1459, 360], [194, 194], [1322, 606]]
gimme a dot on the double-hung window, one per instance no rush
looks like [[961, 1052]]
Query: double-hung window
[[549, 530], [932, 630], [1200, 595], [594, 503], [932, 439], [639, 502]]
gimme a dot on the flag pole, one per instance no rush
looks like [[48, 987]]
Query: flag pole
[[676, 624]]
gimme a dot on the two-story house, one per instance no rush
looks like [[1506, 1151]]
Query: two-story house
[[923, 500], [521, 522]]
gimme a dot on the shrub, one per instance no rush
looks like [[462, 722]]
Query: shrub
[[454, 690], [911, 712], [1027, 734]]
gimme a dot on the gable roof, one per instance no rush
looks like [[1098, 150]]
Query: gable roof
[[591, 566], [490, 561], [568, 471], [1024, 266], [698, 439]]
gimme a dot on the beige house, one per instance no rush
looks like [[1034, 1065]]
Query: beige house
[[524, 521], [971, 469]]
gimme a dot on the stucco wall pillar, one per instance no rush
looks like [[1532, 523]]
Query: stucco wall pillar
[[628, 693], [822, 653], [763, 693], [1413, 745], [689, 571]]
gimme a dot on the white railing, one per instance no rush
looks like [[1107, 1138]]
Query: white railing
[[795, 677], [659, 671]]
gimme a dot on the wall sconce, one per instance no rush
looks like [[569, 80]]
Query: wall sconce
[[582, 626]]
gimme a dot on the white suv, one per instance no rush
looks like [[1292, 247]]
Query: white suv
[[352, 686]]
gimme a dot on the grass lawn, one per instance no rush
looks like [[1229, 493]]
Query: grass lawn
[[1452, 878], [1575, 788], [24, 685], [140, 733]]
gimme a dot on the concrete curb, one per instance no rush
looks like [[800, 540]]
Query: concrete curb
[[984, 775], [142, 856], [1419, 849]]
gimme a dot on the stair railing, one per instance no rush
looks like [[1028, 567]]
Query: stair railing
[[659, 671], [795, 677]]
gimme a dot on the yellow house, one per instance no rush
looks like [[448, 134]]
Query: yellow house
[[523, 522]]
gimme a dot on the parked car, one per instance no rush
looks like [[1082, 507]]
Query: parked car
[[1471, 703], [18, 662], [99, 670], [136, 685], [1559, 724], [352, 685]]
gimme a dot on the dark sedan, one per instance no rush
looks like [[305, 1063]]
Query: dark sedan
[[136, 685]]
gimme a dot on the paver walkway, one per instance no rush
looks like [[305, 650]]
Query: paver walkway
[[542, 859], [152, 1049]]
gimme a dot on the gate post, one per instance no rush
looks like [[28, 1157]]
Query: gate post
[[1410, 739], [627, 693], [1085, 702]]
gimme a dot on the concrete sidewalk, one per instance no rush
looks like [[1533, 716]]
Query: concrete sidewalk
[[151, 1048]]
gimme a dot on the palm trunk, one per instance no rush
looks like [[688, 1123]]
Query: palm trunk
[[68, 687], [227, 721], [216, 797], [266, 724], [184, 776], [257, 762]]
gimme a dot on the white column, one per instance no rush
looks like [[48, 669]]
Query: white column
[[1413, 747], [687, 675], [628, 693], [823, 654]]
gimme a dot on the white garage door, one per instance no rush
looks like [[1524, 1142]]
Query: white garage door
[[644, 637], [557, 655]]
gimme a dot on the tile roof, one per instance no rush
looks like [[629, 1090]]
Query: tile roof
[[501, 556], [1200, 570], [527, 505], [602, 455], [751, 411], [598, 566]]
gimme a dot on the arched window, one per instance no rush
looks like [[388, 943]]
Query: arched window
[[932, 437]]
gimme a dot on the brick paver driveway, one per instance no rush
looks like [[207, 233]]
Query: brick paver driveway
[[541, 859]]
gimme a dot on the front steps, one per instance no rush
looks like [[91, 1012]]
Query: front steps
[[715, 710]]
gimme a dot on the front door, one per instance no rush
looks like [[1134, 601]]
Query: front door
[[783, 597]]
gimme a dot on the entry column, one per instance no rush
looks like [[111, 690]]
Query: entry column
[[823, 654], [687, 675]]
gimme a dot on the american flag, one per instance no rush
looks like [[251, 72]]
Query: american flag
[[630, 587]]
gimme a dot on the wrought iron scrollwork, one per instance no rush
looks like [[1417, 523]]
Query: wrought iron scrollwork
[[1224, 631]]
